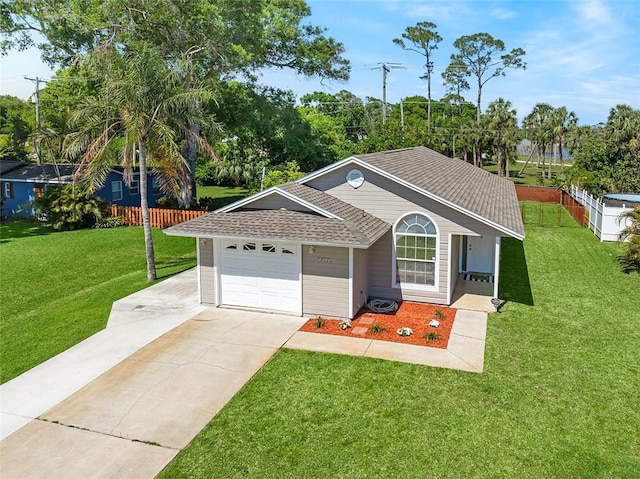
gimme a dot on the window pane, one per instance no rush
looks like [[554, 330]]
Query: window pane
[[410, 240], [430, 229], [249, 246], [268, 248], [416, 229], [421, 254], [421, 242], [401, 252]]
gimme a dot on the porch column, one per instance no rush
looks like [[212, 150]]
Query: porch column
[[496, 266], [351, 312]]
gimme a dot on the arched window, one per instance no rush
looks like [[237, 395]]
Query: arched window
[[416, 243]]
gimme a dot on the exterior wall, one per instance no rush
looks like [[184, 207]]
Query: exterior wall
[[360, 278], [205, 270], [129, 198], [325, 281], [390, 201], [19, 204], [455, 263], [275, 201]]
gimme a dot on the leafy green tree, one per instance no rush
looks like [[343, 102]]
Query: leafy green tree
[[455, 82], [285, 173], [422, 39], [607, 159], [209, 39], [16, 124], [478, 53], [344, 107], [142, 106], [501, 124]]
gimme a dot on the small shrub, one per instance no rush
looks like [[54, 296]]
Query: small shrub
[[345, 324], [319, 322], [377, 328], [69, 207], [438, 314], [405, 331], [166, 202], [431, 336], [109, 222]]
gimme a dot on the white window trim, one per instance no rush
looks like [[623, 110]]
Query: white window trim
[[436, 272], [116, 191]]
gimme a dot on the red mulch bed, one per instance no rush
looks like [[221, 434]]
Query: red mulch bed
[[412, 315]]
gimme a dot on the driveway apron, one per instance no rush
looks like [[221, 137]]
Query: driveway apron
[[132, 420]]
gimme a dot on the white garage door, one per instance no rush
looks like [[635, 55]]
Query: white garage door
[[261, 275]]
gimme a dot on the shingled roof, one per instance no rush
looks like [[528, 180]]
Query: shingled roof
[[454, 182], [348, 225]]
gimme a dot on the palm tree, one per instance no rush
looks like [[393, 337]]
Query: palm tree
[[139, 115], [630, 260], [537, 124], [501, 124], [562, 121]]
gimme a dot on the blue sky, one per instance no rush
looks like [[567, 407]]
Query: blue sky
[[584, 55]]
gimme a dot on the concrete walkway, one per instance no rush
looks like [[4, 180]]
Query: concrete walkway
[[134, 418], [134, 322], [465, 350], [124, 402]]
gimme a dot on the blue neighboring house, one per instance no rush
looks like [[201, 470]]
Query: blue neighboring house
[[21, 183]]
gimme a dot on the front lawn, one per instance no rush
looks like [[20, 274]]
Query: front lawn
[[222, 195], [559, 396], [57, 288]]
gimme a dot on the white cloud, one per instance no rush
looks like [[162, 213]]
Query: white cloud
[[593, 12], [502, 14]]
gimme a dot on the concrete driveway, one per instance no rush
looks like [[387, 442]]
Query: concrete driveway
[[132, 420]]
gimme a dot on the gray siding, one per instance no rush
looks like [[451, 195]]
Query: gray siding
[[455, 262], [275, 201], [360, 278], [390, 201], [207, 277], [325, 285]]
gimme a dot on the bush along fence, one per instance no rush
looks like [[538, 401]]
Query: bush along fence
[[158, 217], [603, 220], [543, 215]]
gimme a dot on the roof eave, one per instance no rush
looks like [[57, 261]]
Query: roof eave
[[454, 206]]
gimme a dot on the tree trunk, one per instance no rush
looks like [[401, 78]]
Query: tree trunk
[[533, 146], [560, 153], [428, 99], [187, 193], [144, 206]]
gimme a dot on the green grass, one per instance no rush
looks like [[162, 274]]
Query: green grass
[[546, 214], [57, 288], [531, 174], [222, 195], [558, 398]]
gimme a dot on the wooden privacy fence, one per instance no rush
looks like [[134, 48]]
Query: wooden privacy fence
[[158, 217], [545, 194]]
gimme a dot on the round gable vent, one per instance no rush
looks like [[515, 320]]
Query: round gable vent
[[355, 178]]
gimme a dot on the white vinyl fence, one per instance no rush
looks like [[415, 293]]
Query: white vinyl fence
[[603, 220]]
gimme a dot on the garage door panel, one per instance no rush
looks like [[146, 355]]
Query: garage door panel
[[262, 279]]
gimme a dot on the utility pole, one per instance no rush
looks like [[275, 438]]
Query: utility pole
[[36, 143], [386, 68]]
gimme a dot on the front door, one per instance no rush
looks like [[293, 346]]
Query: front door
[[480, 252]]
